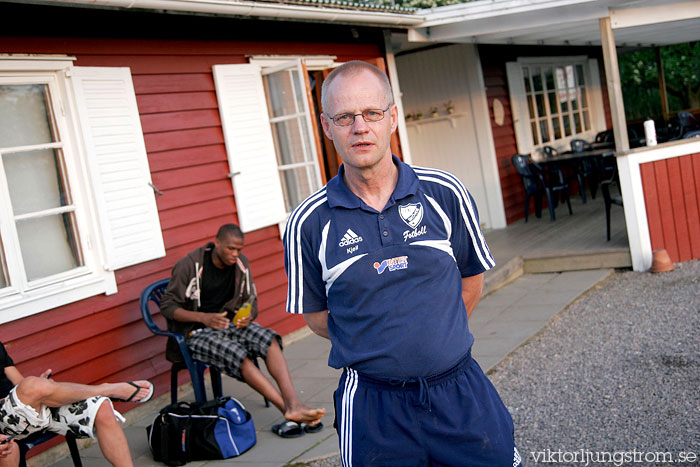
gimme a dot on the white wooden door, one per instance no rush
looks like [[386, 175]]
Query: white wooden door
[[431, 79]]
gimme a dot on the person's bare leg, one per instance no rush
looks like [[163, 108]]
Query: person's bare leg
[[257, 380], [111, 437], [35, 391], [293, 408]]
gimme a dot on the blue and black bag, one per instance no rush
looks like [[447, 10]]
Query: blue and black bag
[[189, 431]]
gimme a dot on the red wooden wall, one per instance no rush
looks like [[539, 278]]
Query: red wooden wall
[[103, 338], [493, 62], [672, 197]]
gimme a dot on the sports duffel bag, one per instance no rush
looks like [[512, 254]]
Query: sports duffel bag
[[189, 431]]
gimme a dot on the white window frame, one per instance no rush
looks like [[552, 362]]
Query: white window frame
[[519, 103], [96, 276], [252, 167]]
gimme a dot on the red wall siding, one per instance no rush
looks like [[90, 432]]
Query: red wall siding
[[103, 337], [672, 197]]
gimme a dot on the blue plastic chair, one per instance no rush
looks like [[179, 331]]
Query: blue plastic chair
[[35, 439], [154, 293]]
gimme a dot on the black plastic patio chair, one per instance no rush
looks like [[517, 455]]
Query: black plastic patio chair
[[37, 438], [585, 169], [554, 185], [610, 199], [530, 182]]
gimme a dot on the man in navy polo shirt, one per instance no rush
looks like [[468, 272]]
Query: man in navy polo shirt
[[387, 261]]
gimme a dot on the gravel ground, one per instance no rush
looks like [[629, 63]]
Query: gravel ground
[[613, 380]]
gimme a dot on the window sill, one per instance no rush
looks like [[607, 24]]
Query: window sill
[[21, 305]]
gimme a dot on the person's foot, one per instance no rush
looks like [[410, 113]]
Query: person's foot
[[303, 414], [132, 391]]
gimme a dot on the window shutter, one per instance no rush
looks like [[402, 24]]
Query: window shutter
[[249, 145], [116, 156], [518, 108], [596, 96]]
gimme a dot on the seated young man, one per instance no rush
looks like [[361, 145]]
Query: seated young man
[[208, 286], [38, 403]]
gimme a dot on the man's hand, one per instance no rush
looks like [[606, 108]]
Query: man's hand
[[6, 446], [215, 320], [243, 322]]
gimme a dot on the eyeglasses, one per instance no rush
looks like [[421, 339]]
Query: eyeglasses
[[369, 115]]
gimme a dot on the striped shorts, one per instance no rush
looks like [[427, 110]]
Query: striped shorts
[[21, 420], [455, 419], [227, 348]]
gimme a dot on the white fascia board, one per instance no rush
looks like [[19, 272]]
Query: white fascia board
[[630, 17], [509, 11], [260, 10], [514, 21]]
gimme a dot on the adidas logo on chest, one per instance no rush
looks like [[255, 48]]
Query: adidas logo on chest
[[350, 238]]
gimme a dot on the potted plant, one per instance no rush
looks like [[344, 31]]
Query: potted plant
[[434, 112], [449, 107], [409, 117], [419, 115]]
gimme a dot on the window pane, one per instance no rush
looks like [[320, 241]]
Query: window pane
[[298, 183], [48, 245], [567, 126], [526, 79], [556, 127], [536, 79], [549, 78], [579, 75], [530, 107], [4, 276], [577, 121], [574, 100], [291, 141], [24, 116], [281, 96], [540, 105], [544, 131], [535, 139], [584, 99], [553, 103], [586, 120], [35, 180]]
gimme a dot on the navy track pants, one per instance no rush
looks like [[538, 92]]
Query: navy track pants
[[453, 419]]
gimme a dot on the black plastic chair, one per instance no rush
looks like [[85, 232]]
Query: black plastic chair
[[153, 294], [585, 169], [553, 184], [609, 199], [606, 136], [692, 134], [687, 123], [530, 182], [37, 438]]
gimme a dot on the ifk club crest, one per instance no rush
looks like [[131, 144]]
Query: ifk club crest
[[411, 214]]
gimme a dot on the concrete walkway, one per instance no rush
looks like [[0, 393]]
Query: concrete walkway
[[502, 321]]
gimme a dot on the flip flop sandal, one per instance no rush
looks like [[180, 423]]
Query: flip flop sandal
[[138, 388], [312, 428], [288, 429]]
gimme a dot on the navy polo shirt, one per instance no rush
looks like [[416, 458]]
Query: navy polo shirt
[[391, 280]]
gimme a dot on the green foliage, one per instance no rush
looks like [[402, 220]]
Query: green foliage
[[682, 73], [640, 80]]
